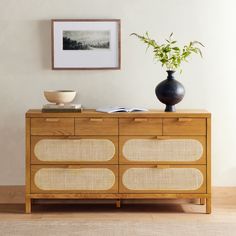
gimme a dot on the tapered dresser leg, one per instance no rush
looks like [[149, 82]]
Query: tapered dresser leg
[[208, 205], [118, 203], [28, 205], [202, 201]]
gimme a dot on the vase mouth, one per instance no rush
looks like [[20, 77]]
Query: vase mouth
[[170, 74]]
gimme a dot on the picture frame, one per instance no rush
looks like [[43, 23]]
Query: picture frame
[[86, 44]]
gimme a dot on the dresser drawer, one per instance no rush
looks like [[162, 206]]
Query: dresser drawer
[[162, 179], [74, 178], [140, 126], [74, 149], [96, 126], [184, 126], [52, 126], [162, 149]]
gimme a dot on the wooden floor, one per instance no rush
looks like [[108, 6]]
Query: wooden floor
[[224, 208], [162, 217]]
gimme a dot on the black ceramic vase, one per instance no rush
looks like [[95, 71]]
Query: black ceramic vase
[[170, 91]]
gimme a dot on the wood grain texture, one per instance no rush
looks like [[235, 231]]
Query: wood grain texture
[[118, 203], [152, 196], [208, 155], [124, 189], [221, 196], [136, 215], [151, 113], [27, 155], [208, 205], [96, 126], [181, 126], [74, 195], [52, 126], [202, 201], [35, 168], [140, 126], [36, 139], [117, 21], [89, 123], [27, 166], [208, 200], [123, 139], [28, 204]]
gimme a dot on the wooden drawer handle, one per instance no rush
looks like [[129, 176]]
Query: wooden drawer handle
[[52, 120], [162, 166], [159, 138], [184, 119], [72, 166], [96, 119], [140, 119], [72, 137]]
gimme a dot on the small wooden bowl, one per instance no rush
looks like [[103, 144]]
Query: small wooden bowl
[[60, 97]]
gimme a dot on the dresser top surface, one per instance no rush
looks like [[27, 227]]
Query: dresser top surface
[[93, 113]]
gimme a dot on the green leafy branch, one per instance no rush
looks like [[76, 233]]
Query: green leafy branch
[[169, 54]]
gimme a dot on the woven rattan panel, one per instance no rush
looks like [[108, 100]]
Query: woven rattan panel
[[162, 150], [74, 179], [162, 179], [74, 150]]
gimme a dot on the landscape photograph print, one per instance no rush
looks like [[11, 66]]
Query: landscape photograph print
[[86, 40]]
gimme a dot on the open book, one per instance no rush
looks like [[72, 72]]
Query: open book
[[120, 109]]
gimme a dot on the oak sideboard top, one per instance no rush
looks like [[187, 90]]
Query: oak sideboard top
[[92, 113]]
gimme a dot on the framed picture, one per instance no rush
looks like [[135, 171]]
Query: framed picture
[[86, 44]]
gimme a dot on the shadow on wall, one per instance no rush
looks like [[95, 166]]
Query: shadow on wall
[[45, 41]]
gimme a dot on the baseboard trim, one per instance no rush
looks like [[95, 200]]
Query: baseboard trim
[[16, 195], [12, 194]]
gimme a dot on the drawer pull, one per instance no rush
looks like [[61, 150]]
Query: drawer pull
[[140, 119], [52, 120], [184, 119], [162, 166], [72, 137], [159, 138], [72, 166], [96, 119]]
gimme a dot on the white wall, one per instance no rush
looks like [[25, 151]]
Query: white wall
[[210, 83]]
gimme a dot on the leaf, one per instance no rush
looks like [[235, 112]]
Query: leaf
[[176, 48], [147, 48], [168, 54], [200, 52], [197, 42]]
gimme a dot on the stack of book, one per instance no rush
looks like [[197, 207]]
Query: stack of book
[[62, 108]]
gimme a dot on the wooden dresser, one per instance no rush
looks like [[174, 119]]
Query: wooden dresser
[[91, 155]]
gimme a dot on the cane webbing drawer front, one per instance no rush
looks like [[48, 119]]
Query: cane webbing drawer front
[[161, 149], [136, 155], [52, 126], [140, 126], [86, 178], [78, 149], [96, 126], [174, 178], [184, 126]]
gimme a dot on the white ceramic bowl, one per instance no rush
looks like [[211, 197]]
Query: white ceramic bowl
[[60, 97]]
